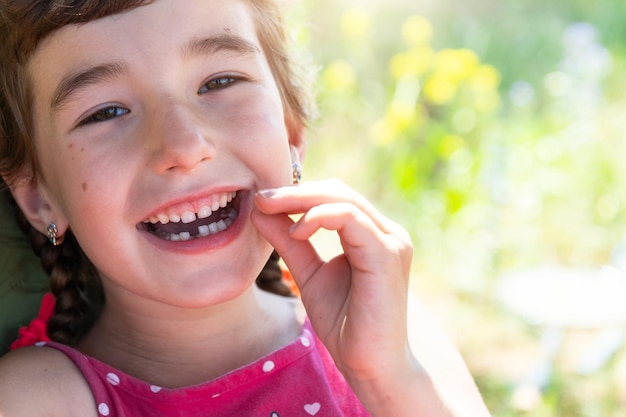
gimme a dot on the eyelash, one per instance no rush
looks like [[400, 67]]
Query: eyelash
[[112, 112], [218, 83], [104, 114]]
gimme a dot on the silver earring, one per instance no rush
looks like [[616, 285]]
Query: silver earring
[[53, 236], [296, 172]]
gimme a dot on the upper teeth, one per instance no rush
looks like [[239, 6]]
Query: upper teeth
[[207, 207]]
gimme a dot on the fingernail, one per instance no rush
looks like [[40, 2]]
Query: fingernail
[[268, 193]]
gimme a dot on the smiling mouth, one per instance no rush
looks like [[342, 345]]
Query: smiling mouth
[[211, 218]]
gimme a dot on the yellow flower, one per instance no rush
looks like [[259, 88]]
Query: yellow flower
[[439, 89], [401, 115], [485, 78], [415, 62], [456, 64], [339, 76], [417, 31], [382, 133]]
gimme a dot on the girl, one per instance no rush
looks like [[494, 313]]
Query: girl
[[153, 143]]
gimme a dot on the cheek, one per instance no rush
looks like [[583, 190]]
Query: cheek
[[260, 137], [259, 112], [85, 186], [270, 154]]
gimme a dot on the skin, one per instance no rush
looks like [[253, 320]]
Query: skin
[[165, 141]]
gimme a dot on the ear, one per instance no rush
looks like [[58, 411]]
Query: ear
[[34, 201], [297, 140]]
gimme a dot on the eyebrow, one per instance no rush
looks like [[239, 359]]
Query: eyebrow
[[74, 82], [223, 42]]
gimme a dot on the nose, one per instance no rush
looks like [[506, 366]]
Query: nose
[[177, 141]]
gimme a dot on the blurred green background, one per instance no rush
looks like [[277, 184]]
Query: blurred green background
[[493, 131]]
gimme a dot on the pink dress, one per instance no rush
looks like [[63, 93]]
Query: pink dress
[[299, 379]]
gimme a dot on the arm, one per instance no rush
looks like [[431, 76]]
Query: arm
[[440, 384], [42, 382], [357, 301]]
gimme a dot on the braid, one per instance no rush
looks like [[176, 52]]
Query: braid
[[67, 269], [271, 278], [70, 286]]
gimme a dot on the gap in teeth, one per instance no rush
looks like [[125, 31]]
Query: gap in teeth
[[205, 230], [206, 210]]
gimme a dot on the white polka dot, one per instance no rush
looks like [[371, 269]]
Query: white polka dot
[[305, 341], [155, 388], [268, 366], [113, 379], [40, 344], [103, 409]]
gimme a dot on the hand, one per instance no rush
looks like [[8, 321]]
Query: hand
[[357, 301]]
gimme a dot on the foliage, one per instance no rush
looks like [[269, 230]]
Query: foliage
[[492, 130]]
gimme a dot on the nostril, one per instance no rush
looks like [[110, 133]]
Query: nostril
[[185, 154]]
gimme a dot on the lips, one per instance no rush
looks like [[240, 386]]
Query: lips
[[208, 216]]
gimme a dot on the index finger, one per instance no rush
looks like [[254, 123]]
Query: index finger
[[300, 199]]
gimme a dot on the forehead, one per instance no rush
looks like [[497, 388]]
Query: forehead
[[150, 33]]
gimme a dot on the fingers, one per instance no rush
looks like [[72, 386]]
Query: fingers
[[356, 300], [299, 255], [300, 199], [362, 241], [365, 234]]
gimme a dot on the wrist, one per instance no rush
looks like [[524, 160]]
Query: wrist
[[403, 388]]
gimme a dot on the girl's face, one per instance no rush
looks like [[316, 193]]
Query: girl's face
[[154, 129]]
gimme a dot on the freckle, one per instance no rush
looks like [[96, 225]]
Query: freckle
[[71, 145], [84, 186], [82, 149]]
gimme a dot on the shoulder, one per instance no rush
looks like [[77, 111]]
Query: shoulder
[[42, 381]]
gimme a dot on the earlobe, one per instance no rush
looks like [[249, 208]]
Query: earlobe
[[297, 148], [297, 141], [34, 202]]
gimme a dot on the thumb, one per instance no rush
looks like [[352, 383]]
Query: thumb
[[299, 255]]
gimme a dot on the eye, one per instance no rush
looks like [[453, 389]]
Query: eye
[[105, 114], [218, 83]]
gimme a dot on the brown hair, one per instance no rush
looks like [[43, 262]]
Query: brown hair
[[23, 25]]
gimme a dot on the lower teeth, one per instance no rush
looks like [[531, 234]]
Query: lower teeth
[[204, 231]]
